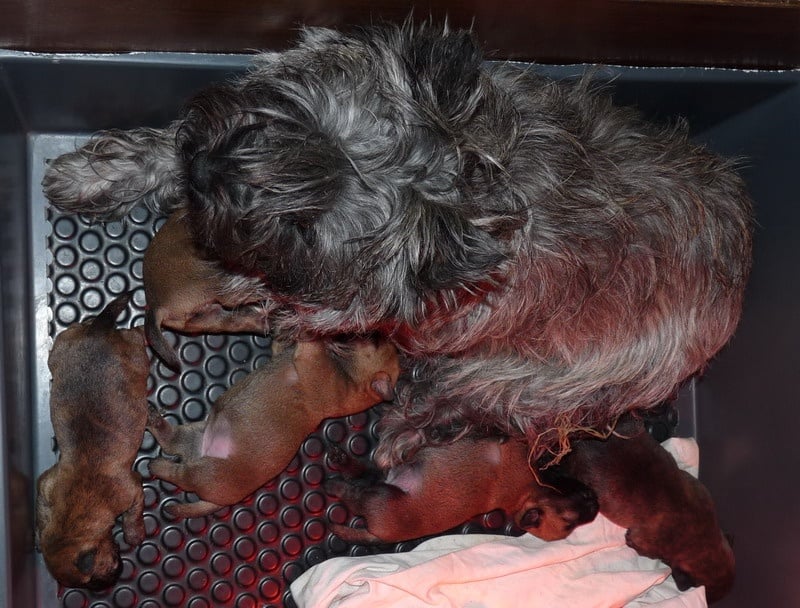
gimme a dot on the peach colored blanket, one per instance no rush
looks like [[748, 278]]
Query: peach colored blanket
[[592, 568]]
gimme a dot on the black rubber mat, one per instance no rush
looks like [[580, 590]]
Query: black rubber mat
[[243, 556]]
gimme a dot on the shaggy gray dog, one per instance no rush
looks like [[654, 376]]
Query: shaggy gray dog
[[544, 260]]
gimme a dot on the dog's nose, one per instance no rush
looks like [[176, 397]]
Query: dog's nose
[[589, 508], [85, 561], [104, 580]]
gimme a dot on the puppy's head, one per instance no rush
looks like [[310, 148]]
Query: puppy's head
[[90, 563], [553, 511], [335, 169], [74, 537]]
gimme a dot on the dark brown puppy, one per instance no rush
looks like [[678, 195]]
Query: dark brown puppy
[[190, 294], [449, 484], [668, 513], [255, 428], [98, 408]]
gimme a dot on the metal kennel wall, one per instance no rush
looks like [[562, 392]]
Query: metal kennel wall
[[54, 269]]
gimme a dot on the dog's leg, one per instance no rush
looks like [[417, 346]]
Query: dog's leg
[[186, 510], [212, 479], [133, 517], [391, 514], [211, 319], [158, 342], [215, 319], [349, 467], [180, 440]]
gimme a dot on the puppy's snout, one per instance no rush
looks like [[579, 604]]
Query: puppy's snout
[[683, 580], [587, 505], [85, 561], [95, 569], [104, 580], [531, 519]]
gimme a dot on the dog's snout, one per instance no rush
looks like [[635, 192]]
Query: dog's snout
[[532, 518], [85, 561], [104, 580], [589, 507]]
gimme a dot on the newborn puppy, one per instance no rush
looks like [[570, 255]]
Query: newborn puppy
[[669, 514], [188, 293], [255, 428], [447, 485], [98, 408]]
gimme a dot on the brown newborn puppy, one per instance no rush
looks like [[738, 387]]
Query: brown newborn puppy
[[449, 484], [190, 294], [668, 513], [98, 408], [256, 427]]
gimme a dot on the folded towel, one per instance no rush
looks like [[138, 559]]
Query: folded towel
[[592, 568]]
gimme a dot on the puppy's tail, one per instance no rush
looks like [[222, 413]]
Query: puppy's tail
[[107, 320], [114, 171], [157, 341]]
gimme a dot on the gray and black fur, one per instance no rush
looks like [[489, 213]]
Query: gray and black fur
[[544, 259]]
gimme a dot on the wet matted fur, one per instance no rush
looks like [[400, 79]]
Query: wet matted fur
[[544, 259]]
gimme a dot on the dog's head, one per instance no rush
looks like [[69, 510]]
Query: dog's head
[[552, 511], [75, 537], [335, 171]]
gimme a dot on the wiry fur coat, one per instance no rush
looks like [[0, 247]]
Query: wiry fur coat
[[544, 259]]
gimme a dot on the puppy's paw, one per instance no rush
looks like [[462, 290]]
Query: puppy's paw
[[338, 457], [166, 469], [343, 462], [154, 415], [134, 532], [349, 491], [336, 486], [381, 385]]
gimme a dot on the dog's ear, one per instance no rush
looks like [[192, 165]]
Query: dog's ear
[[444, 67], [114, 171], [454, 254], [318, 38]]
